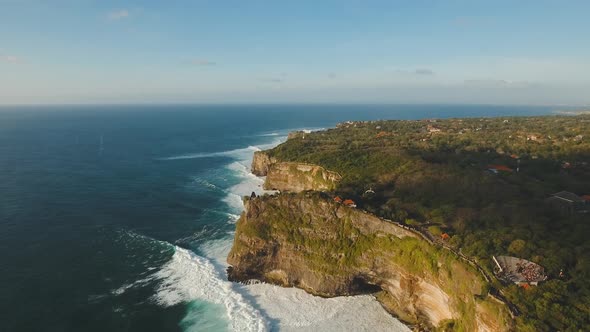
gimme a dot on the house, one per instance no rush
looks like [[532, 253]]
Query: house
[[337, 199], [567, 202], [445, 236], [350, 203], [433, 129], [499, 168]]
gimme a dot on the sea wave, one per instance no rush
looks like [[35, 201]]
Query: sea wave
[[204, 183], [230, 153], [188, 277]]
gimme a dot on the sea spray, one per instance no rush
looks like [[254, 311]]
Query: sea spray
[[188, 277]]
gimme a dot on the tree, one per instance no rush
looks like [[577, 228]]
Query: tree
[[517, 247]]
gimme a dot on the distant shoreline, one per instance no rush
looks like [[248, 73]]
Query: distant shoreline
[[576, 112]]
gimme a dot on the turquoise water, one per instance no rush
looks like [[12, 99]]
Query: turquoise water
[[117, 217]]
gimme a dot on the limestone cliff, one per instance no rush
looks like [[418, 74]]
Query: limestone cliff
[[310, 242], [291, 176], [261, 163]]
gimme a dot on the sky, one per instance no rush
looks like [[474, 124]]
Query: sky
[[465, 52]]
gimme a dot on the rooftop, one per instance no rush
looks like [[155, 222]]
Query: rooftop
[[518, 270], [568, 196]]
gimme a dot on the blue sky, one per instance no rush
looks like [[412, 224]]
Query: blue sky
[[498, 52]]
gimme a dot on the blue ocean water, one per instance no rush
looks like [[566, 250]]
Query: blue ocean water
[[117, 218]]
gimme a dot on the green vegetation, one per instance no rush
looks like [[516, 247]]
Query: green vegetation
[[434, 174]]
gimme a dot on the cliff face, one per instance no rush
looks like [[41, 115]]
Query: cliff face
[[261, 163], [290, 176], [327, 249], [296, 177]]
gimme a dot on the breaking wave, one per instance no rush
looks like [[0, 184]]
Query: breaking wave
[[188, 277], [197, 155]]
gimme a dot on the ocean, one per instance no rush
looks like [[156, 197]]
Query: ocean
[[119, 218]]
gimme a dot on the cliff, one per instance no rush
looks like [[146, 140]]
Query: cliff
[[261, 163], [292, 176], [310, 242]]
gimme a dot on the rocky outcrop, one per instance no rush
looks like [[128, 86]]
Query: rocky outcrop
[[327, 249], [291, 176], [296, 177], [261, 163], [296, 134]]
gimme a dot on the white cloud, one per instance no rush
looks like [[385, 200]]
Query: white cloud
[[118, 15], [416, 72], [202, 62], [13, 59], [272, 80], [424, 71], [498, 83]]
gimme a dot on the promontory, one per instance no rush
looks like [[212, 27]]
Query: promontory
[[475, 224]]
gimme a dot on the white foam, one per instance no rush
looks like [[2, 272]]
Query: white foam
[[188, 277], [230, 153], [205, 183], [292, 309]]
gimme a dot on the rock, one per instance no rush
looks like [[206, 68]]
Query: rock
[[293, 177], [296, 177], [261, 163]]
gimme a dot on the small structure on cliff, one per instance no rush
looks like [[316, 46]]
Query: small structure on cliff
[[499, 168], [349, 203], [568, 203], [337, 199], [518, 270]]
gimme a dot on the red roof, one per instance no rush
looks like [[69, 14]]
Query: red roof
[[500, 168], [349, 202], [586, 198], [444, 236], [337, 199]]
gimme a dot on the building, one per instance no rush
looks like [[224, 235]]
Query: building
[[350, 203], [433, 129], [499, 168], [518, 270], [568, 203], [337, 199]]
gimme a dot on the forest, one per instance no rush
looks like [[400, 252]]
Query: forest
[[482, 186]]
